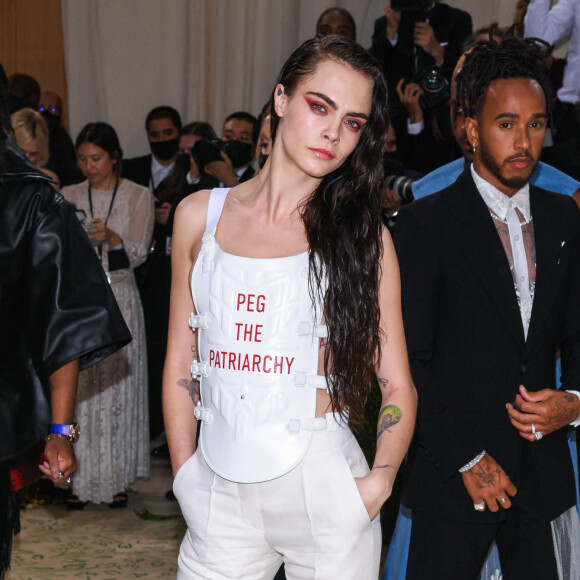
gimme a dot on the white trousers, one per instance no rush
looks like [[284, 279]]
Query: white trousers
[[312, 519]]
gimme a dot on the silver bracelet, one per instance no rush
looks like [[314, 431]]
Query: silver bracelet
[[473, 462]]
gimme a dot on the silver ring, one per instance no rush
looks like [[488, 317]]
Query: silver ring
[[60, 474], [538, 435], [533, 428], [68, 479], [502, 499], [480, 507]]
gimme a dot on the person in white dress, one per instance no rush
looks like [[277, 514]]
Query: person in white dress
[[112, 395]]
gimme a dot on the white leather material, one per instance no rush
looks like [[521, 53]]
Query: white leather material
[[260, 341]]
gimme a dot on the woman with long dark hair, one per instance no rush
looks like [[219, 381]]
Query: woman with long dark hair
[[111, 403], [295, 311]]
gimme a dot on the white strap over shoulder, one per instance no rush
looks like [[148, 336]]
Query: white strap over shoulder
[[217, 198]]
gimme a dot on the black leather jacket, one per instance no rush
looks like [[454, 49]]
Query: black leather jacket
[[55, 302]]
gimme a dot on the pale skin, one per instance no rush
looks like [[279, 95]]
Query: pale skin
[[319, 127], [59, 450], [512, 122]]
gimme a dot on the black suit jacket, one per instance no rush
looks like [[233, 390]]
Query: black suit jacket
[[137, 169], [452, 28], [466, 342]]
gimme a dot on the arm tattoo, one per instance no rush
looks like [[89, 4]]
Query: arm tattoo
[[383, 382], [383, 466], [192, 387], [389, 416]]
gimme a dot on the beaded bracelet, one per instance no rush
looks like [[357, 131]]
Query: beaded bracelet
[[473, 462]]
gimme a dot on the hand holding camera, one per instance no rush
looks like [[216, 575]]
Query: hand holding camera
[[222, 170], [409, 96]]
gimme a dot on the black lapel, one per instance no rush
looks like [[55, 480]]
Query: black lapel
[[552, 251], [479, 243]]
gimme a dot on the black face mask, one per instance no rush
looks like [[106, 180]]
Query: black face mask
[[239, 152], [50, 116], [164, 150]]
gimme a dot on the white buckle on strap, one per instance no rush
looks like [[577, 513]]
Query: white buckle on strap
[[199, 321], [330, 422], [310, 329], [206, 266], [203, 414], [199, 369], [302, 379]]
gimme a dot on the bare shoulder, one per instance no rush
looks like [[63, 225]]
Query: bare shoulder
[[193, 208], [190, 219]]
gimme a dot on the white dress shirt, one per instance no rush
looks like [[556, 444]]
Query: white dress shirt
[[515, 213], [552, 25], [158, 172]]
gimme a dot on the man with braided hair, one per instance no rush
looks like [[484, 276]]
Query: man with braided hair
[[490, 270]]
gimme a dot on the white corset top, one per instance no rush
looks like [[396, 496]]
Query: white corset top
[[258, 343]]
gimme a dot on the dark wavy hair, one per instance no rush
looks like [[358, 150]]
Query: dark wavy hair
[[344, 231], [512, 58], [105, 137]]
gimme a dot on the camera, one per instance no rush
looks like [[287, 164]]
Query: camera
[[204, 152], [402, 185], [394, 179], [435, 87]]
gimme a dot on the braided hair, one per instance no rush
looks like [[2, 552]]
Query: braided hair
[[489, 61]]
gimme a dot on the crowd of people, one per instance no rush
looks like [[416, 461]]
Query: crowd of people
[[396, 218]]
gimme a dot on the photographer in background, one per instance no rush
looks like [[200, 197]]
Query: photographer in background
[[236, 167], [422, 121], [416, 34], [418, 43]]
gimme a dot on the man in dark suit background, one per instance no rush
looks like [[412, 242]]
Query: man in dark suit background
[[408, 41], [163, 173], [490, 271]]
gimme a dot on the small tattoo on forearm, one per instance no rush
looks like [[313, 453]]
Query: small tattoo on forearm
[[323, 343], [389, 416], [192, 387], [383, 466], [383, 382]]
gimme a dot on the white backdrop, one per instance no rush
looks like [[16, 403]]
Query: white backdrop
[[206, 58]]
